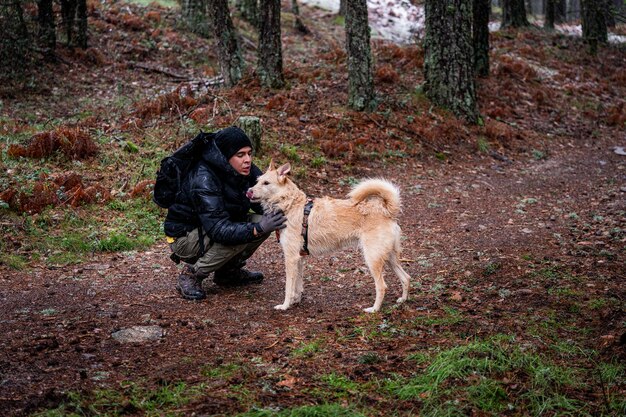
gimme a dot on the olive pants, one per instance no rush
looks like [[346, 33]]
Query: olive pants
[[216, 255]]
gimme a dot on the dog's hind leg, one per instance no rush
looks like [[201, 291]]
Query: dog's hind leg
[[293, 280], [375, 263], [405, 278]]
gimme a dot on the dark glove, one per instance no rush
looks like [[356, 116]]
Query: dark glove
[[271, 221]]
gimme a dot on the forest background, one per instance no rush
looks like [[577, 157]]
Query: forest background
[[513, 186]]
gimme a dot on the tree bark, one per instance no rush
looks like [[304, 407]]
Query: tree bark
[[360, 65], [480, 35], [593, 19], [270, 55], [252, 126], [514, 14], [448, 57], [229, 54]]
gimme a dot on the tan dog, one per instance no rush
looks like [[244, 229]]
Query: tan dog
[[367, 219]]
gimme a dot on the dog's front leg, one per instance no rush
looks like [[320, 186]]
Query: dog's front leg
[[293, 281]]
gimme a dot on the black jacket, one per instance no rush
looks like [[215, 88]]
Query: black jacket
[[214, 197]]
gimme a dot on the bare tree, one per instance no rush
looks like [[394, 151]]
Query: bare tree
[[448, 57], [229, 54], [270, 55], [360, 65]]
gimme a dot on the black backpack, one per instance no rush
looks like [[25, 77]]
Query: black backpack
[[175, 167]]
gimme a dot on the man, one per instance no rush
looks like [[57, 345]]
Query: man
[[210, 226]]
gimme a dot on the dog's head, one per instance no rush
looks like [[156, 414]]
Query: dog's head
[[271, 186]]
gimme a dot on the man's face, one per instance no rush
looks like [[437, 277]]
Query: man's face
[[242, 160]]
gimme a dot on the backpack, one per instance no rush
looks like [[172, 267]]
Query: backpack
[[175, 167]]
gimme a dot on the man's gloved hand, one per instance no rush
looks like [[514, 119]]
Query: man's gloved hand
[[271, 221]]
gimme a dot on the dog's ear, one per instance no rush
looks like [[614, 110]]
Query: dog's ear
[[271, 167], [283, 171]]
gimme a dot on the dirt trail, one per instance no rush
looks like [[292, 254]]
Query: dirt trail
[[475, 230]]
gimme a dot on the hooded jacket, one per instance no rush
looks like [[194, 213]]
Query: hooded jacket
[[214, 196]]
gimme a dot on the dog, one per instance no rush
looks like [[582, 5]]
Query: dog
[[367, 219]]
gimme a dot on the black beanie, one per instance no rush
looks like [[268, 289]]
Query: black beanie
[[231, 140]]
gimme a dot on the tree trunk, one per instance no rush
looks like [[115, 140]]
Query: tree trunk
[[228, 52], [514, 14], [550, 14], [448, 57], [81, 20], [194, 14], [270, 55], [594, 27], [360, 65], [252, 126], [47, 30], [480, 34]]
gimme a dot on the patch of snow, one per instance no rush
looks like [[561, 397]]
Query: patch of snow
[[402, 22], [395, 20], [576, 30]]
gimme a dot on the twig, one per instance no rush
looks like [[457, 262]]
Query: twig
[[160, 70]]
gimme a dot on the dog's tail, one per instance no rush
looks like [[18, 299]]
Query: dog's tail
[[378, 187]]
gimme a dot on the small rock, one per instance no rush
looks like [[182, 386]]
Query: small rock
[[138, 334]]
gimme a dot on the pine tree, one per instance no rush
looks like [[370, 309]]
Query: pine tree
[[360, 73], [229, 54], [448, 57], [270, 63]]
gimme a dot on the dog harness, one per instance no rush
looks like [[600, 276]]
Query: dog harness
[[305, 227]]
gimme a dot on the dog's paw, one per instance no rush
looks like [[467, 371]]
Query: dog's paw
[[370, 310], [281, 307], [401, 300]]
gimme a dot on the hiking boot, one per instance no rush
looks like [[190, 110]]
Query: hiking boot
[[236, 277], [190, 286]]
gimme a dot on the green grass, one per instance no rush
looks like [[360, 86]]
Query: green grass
[[476, 376], [451, 317], [129, 399], [308, 349], [221, 372], [66, 236]]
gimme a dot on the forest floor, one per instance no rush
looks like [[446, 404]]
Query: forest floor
[[514, 235]]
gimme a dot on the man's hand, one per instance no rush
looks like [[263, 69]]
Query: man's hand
[[271, 221]]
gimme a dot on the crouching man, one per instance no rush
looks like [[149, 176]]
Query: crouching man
[[210, 226]]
